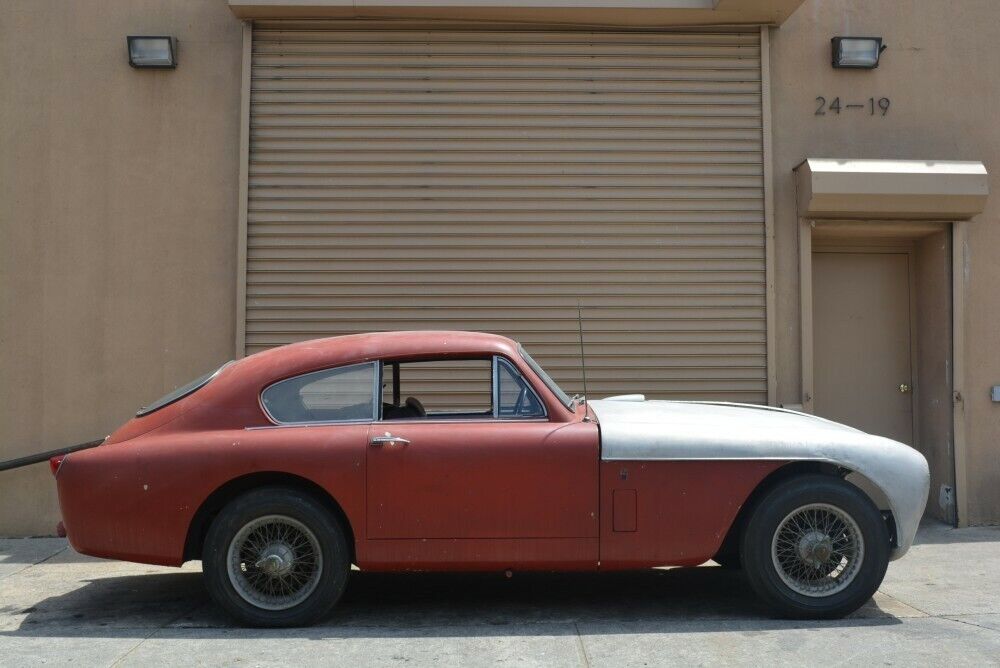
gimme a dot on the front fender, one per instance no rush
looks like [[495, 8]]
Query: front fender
[[703, 431], [900, 473]]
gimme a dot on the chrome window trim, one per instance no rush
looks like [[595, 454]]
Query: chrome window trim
[[487, 420], [495, 385], [289, 425], [550, 384], [379, 374], [376, 399]]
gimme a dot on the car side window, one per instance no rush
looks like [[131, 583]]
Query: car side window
[[439, 389], [333, 395], [515, 396]]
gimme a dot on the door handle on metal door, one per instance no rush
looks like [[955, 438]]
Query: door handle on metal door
[[389, 439]]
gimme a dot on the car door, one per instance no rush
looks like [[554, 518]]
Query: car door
[[512, 489]]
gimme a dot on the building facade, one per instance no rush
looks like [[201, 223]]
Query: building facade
[[727, 215]]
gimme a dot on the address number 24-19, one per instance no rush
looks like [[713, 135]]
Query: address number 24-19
[[873, 106]]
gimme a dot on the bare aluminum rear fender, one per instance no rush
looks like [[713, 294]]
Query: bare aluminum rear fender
[[681, 430]]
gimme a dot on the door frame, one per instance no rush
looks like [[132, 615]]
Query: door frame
[[958, 232]]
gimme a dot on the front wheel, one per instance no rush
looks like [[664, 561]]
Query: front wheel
[[275, 557], [815, 547]]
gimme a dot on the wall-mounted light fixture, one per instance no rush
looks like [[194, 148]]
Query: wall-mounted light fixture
[[159, 52], [857, 52]]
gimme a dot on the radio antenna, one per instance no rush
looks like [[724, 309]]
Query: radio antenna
[[583, 357]]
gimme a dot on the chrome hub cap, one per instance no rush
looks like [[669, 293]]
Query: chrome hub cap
[[817, 550], [274, 562], [277, 559]]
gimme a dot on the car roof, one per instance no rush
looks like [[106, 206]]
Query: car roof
[[299, 357], [231, 400]]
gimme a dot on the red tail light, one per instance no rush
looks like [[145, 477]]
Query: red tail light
[[55, 463]]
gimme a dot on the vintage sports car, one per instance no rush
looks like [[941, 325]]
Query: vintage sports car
[[455, 451]]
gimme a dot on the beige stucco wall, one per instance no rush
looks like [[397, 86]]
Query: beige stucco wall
[[118, 209], [118, 203], [939, 72]]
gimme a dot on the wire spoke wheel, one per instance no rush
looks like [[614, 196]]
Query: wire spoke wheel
[[817, 550], [274, 562]]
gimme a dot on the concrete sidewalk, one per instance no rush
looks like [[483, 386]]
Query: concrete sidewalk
[[938, 606]]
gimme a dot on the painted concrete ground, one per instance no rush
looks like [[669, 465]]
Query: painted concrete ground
[[938, 606]]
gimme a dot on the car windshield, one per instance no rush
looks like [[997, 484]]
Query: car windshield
[[180, 392], [546, 378]]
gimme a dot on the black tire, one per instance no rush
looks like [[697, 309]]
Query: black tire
[[728, 560], [329, 578], [784, 500], [728, 556]]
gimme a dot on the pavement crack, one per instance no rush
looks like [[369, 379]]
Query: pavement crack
[[956, 619], [584, 659], [119, 660], [153, 632], [51, 556], [36, 563]]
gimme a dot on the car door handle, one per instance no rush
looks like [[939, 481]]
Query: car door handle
[[389, 439]]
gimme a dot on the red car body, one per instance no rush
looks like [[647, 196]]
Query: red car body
[[463, 495]]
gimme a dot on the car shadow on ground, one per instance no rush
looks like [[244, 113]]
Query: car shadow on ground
[[433, 605]]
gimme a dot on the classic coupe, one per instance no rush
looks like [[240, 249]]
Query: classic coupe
[[456, 451]]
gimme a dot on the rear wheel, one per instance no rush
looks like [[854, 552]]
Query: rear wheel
[[815, 547], [275, 557]]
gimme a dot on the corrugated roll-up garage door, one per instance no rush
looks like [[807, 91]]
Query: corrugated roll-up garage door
[[475, 179]]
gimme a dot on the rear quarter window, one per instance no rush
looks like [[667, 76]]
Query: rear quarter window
[[344, 394]]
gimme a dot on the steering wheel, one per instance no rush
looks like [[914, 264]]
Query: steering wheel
[[414, 405]]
